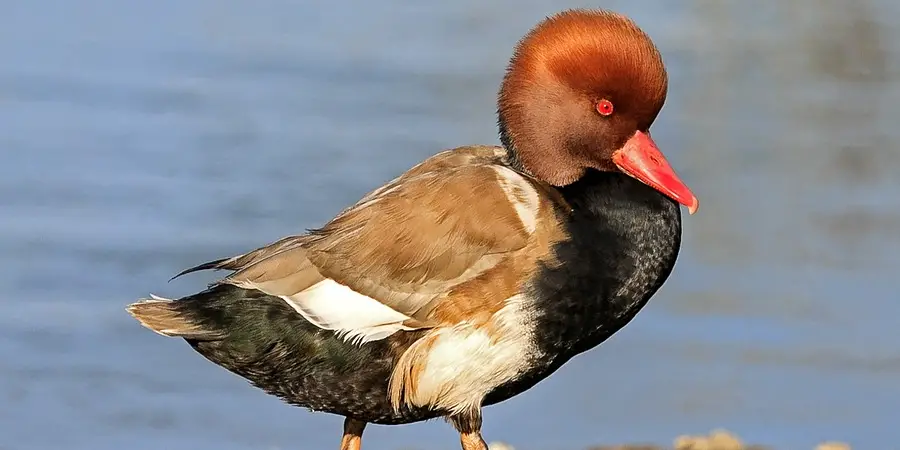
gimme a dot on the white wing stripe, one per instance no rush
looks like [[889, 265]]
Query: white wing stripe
[[356, 317], [521, 195]]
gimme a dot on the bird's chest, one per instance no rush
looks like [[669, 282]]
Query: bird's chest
[[623, 240], [581, 304], [578, 306]]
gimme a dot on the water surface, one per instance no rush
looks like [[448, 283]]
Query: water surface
[[139, 138]]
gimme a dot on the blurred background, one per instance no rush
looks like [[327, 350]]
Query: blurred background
[[140, 138]]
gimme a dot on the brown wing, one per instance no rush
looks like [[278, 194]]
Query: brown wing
[[416, 242], [446, 231]]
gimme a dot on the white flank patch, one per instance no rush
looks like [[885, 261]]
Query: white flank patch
[[521, 195], [356, 317], [465, 363]]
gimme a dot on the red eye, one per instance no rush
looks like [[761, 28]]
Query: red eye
[[604, 107]]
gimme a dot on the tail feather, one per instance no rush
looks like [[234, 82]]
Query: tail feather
[[163, 316]]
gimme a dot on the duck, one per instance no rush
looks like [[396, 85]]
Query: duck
[[480, 271]]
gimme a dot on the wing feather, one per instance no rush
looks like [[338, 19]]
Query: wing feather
[[387, 263]]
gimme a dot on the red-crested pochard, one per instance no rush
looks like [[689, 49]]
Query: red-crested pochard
[[480, 271]]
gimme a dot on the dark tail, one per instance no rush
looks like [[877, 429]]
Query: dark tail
[[264, 340], [169, 318]]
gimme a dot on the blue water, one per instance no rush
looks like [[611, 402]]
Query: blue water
[[139, 138]]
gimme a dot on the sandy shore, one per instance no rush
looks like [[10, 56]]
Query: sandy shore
[[716, 440]]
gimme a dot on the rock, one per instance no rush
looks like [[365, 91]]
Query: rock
[[500, 446], [723, 440], [717, 440], [628, 447], [833, 446]]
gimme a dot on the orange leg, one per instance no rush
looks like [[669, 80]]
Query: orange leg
[[469, 427], [472, 441], [353, 430]]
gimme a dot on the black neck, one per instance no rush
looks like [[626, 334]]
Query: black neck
[[624, 241]]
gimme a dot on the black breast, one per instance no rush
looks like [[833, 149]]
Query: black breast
[[624, 239]]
